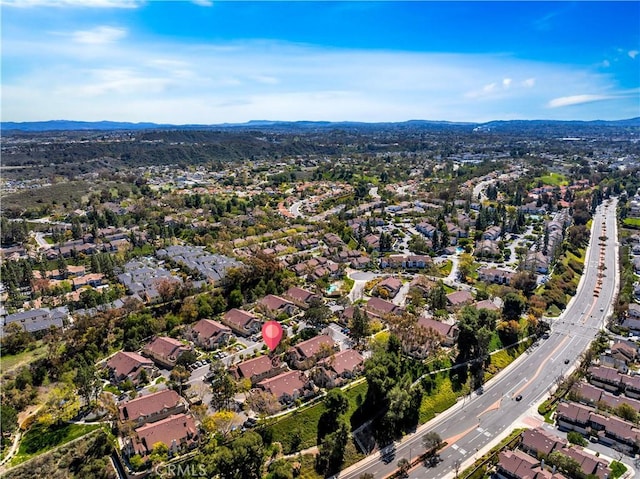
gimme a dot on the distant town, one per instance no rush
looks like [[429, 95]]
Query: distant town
[[412, 267]]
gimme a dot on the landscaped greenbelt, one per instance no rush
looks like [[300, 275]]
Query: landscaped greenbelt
[[13, 361], [39, 439], [299, 430]]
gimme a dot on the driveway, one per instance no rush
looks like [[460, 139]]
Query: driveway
[[360, 278], [338, 336], [402, 294]]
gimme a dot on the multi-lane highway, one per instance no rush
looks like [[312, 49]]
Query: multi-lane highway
[[472, 426]]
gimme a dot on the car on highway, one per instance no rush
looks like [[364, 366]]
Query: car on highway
[[519, 397], [566, 361]]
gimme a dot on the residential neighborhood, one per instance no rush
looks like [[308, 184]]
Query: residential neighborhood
[[400, 291]]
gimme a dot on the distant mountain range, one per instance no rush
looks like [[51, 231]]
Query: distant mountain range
[[70, 125]]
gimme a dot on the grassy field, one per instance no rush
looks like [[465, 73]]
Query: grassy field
[[304, 423], [11, 362], [632, 222], [87, 457], [443, 398], [445, 268], [553, 179], [38, 440]]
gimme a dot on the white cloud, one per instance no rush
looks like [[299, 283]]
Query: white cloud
[[605, 64], [119, 82], [72, 3], [267, 80], [173, 82], [633, 54], [203, 3], [99, 35], [576, 100]]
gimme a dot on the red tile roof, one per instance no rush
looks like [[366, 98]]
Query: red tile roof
[[255, 367], [239, 318], [313, 346], [541, 441], [299, 294], [124, 363], [459, 297], [286, 383], [391, 283], [487, 304], [208, 328], [273, 302], [438, 326], [148, 405], [381, 306], [166, 347], [178, 428], [344, 361]]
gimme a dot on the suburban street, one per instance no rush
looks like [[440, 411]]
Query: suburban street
[[477, 423]]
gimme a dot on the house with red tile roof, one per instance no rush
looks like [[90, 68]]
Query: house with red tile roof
[[540, 442], [626, 351], [448, 332], [589, 464], [389, 287], [259, 368], [519, 465], [300, 297], [165, 351], [209, 334], [338, 368], [242, 322], [127, 365], [573, 417], [487, 304], [378, 307], [494, 275], [178, 432], [306, 353], [273, 306], [287, 387], [457, 299], [606, 378], [152, 407]]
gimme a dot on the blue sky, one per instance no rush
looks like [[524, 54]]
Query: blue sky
[[213, 62]]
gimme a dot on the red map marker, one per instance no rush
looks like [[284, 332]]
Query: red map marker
[[272, 334]]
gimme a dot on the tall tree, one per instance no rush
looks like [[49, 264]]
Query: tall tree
[[360, 325], [223, 387], [88, 383]]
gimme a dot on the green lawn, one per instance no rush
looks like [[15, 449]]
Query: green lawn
[[632, 222], [14, 361], [38, 439], [553, 179], [445, 268], [442, 399], [304, 423]]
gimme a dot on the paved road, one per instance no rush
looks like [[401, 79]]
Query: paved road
[[475, 424], [42, 243], [360, 279], [295, 209]]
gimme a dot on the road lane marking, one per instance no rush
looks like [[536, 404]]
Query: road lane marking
[[563, 349], [544, 363]]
